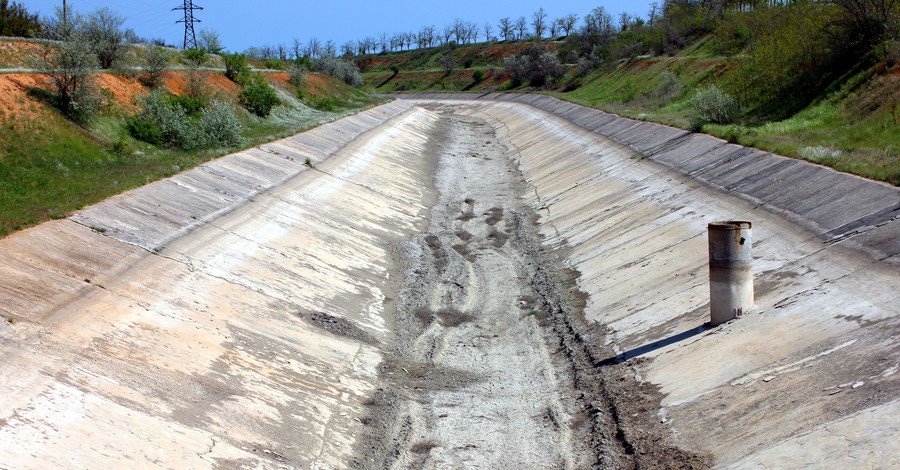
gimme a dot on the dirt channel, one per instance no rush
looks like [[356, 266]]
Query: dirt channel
[[492, 365]]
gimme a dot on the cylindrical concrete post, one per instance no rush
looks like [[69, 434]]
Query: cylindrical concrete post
[[730, 270]]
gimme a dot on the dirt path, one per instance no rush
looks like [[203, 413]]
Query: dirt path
[[494, 366], [472, 383]]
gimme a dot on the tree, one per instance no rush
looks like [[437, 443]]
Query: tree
[[555, 28], [539, 23], [104, 31], [69, 64], [521, 27], [156, 60], [488, 32], [569, 22], [16, 21], [313, 48], [871, 21], [506, 28], [209, 40]]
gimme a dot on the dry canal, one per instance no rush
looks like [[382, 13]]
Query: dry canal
[[488, 282]]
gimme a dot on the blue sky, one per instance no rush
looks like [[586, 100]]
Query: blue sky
[[242, 24]]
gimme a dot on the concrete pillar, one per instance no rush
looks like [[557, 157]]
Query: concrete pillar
[[730, 270]]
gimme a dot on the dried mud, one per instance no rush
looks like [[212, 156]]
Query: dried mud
[[492, 364]]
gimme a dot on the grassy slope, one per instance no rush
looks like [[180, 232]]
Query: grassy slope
[[50, 166], [855, 128]]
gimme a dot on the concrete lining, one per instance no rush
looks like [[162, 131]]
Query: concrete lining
[[234, 315], [251, 342], [819, 350]]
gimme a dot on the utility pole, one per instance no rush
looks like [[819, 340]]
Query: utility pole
[[190, 39]]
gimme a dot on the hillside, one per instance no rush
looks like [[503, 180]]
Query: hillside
[[51, 165], [851, 124]]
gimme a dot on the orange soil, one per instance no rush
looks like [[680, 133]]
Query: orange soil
[[15, 104], [123, 89], [220, 85]]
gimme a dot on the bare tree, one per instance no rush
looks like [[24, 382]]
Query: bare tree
[[624, 21], [329, 50], [521, 27], [488, 32], [539, 23], [384, 41], [472, 32], [313, 48], [653, 15], [428, 35], [459, 30], [447, 34], [347, 48], [506, 28], [569, 22], [408, 38], [555, 28]]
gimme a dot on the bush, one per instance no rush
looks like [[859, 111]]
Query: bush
[[219, 126], [536, 66], [298, 74], [144, 130], [669, 85], [235, 66], [171, 119], [478, 75], [273, 64], [194, 57], [192, 105], [164, 120], [340, 70], [259, 98], [156, 60], [712, 105]]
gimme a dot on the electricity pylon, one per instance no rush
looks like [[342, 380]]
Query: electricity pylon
[[190, 39]]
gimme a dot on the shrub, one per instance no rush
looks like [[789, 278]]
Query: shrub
[[298, 74], [144, 130], [536, 66], [340, 70], [712, 105], [218, 125], [478, 75], [194, 57], [669, 85], [192, 105], [395, 69], [235, 66], [171, 119], [156, 60], [273, 64], [259, 98]]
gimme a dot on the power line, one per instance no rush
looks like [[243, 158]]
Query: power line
[[190, 39]]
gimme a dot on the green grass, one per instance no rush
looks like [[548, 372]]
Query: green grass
[[830, 135], [53, 166]]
